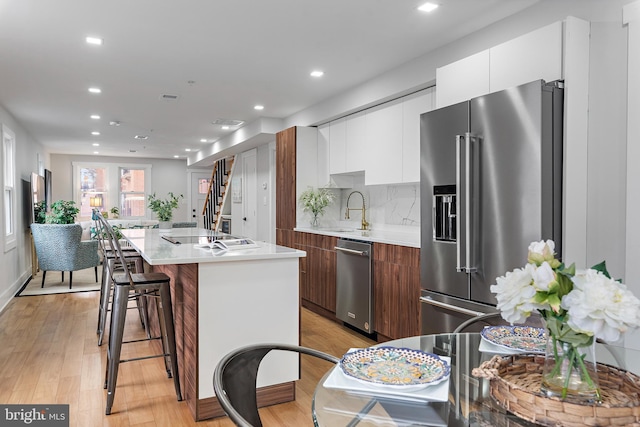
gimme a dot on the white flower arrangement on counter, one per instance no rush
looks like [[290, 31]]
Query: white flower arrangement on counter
[[316, 201]]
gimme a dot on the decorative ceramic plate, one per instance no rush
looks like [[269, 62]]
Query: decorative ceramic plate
[[395, 367], [521, 338]]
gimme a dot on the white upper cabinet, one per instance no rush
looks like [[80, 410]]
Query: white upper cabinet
[[532, 56], [383, 141], [535, 55], [384, 144], [412, 107], [356, 142], [338, 146], [463, 79]]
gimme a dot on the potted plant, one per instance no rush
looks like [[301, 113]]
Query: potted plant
[[40, 212], [62, 212], [316, 201], [115, 212], [164, 208]]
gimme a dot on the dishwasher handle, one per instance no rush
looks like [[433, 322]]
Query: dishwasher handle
[[429, 300], [351, 251]]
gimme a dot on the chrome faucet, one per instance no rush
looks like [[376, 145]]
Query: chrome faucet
[[365, 224]]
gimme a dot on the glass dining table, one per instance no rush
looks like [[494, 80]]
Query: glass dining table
[[463, 400]]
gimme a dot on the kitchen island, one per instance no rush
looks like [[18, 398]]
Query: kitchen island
[[223, 300]]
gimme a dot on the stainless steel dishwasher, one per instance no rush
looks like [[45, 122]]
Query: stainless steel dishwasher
[[354, 284]]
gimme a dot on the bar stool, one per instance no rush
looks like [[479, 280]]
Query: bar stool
[[150, 285], [110, 262]]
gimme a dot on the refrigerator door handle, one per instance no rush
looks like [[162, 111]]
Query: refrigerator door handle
[[461, 232], [472, 313], [465, 169]]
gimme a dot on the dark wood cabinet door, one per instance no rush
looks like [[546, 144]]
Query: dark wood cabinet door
[[320, 266], [396, 281], [286, 179]]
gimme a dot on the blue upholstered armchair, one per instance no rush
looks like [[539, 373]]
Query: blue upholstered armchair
[[59, 248]]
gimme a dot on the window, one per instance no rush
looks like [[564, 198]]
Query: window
[[108, 185], [132, 195], [9, 197], [93, 189]]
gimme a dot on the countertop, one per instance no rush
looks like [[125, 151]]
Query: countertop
[[391, 237], [157, 251]]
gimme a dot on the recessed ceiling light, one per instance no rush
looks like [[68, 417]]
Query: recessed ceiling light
[[95, 117], [225, 127], [114, 123], [176, 156], [203, 140], [96, 133], [187, 149], [428, 7], [96, 152], [94, 40], [317, 73], [141, 137], [95, 144], [95, 90], [259, 107]]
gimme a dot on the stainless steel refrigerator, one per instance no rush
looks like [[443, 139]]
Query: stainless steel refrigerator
[[490, 184]]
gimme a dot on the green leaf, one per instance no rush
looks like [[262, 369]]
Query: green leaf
[[565, 284], [540, 297], [571, 270], [554, 302], [602, 268]]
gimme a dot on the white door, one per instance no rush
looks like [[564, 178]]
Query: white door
[[249, 195], [199, 189]]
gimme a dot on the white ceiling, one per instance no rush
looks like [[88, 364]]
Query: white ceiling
[[220, 57]]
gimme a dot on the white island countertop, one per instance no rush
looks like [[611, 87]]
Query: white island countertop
[[158, 251]]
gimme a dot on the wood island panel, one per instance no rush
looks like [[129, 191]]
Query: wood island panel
[[184, 297]]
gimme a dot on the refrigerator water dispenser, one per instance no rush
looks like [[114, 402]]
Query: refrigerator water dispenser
[[444, 213]]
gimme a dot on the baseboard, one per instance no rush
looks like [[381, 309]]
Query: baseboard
[[8, 294], [266, 396]]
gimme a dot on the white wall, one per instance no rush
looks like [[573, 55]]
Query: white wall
[[266, 193], [606, 155], [166, 176], [265, 197], [15, 264], [631, 18]]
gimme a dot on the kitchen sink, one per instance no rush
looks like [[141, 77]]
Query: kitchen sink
[[340, 230]]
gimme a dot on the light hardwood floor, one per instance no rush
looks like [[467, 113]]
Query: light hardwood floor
[[49, 354]]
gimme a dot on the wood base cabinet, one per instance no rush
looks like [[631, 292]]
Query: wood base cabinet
[[396, 282], [318, 272]]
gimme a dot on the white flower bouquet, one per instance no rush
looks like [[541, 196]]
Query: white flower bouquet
[[316, 201], [578, 307]]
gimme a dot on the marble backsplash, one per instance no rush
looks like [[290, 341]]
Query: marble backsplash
[[395, 207]]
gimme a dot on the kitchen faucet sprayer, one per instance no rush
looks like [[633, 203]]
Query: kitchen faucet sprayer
[[365, 224]]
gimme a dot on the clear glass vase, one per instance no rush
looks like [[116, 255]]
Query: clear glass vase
[[315, 221], [570, 371]]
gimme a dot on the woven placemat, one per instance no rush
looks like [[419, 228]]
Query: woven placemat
[[515, 385]]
